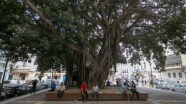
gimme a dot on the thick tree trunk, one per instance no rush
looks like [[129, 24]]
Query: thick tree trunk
[[69, 73]]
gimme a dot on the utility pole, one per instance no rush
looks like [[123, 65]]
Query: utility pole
[[4, 75], [151, 75]]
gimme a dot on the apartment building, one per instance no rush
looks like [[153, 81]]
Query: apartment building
[[2, 67], [175, 68], [25, 71]]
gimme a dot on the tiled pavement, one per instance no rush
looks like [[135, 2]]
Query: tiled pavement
[[80, 102], [39, 98]]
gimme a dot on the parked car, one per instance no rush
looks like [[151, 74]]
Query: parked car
[[44, 84], [179, 88], [49, 82], [10, 90], [10, 82], [157, 82], [22, 89], [15, 90], [164, 86], [3, 96]]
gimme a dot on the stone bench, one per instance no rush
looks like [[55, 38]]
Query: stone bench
[[115, 96]]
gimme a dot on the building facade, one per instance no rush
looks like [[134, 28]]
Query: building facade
[[2, 67], [175, 68]]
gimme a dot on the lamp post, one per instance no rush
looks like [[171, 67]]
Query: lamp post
[[151, 75], [160, 74], [4, 75]]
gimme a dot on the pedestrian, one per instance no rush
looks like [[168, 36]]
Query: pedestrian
[[145, 82], [34, 83], [179, 81], [53, 87], [117, 83], [108, 83], [134, 91], [84, 91], [142, 83], [95, 91], [125, 89], [61, 91]]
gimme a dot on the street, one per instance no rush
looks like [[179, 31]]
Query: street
[[156, 96], [164, 96]]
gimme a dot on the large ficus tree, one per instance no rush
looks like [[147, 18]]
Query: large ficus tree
[[96, 32]]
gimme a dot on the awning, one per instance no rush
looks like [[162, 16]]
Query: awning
[[56, 74], [20, 72]]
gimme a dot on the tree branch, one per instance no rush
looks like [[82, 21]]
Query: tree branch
[[55, 34], [102, 6], [143, 37], [149, 12], [86, 17], [43, 18], [92, 5]]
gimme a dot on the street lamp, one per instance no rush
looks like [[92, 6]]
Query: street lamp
[[151, 75], [160, 74], [4, 74]]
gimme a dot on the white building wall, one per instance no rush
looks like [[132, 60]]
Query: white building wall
[[2, 68], [176, 69], [183, 58], [172, 78]]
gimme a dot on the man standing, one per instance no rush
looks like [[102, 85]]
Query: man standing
[[179, 81], [84, 91], [95, 91], [34, 83]]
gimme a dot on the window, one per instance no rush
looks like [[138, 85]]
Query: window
[[1, 73], [22, 76], [24, 63], [176, 85], [169, 75], [180, 75], [180, 86], [174, 75]]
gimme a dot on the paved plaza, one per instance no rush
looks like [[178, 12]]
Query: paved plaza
[[39, 98], [80, 102]]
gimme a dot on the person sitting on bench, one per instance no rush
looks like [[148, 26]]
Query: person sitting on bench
[[125, 89], [53, 87], [134, 90], [61, 91], [95, 91]]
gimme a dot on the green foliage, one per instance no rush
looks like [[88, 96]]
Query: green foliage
[[144, 28]]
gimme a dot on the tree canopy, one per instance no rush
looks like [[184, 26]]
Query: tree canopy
[[95, 33]]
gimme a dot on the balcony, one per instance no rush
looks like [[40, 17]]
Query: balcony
[[172, 67]]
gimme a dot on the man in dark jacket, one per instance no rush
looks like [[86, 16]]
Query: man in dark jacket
[[34, 83], [134, 90]]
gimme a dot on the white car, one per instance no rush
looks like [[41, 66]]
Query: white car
[[56, 82], [163, 86], [179, 88], [10, 82]]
